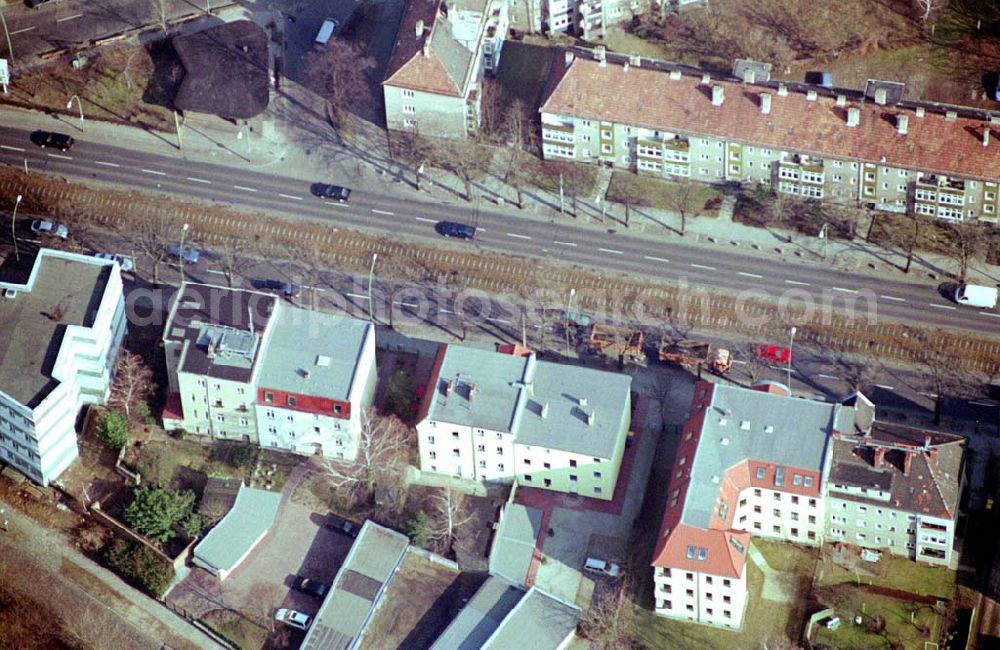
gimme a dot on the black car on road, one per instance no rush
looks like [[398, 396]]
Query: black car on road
[[332, 192], [309, 586], [455, 229], [59, 141], [341, 525], [288, 289]]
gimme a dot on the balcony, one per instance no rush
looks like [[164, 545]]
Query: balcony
[[941, 182]]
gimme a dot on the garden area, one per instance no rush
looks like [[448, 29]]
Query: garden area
[[763, 207], [886, 622]]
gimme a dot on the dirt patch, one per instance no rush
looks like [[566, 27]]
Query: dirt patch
[[236, 628]]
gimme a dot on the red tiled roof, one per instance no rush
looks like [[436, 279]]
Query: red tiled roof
[[173, 410], [649, 98], [408, 67]]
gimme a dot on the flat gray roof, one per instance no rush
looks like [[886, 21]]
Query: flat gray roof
[[251, 517], [543, 404], [63, 289], [324, 345], [360, 581], [540, 622], [743, 424], [514, 542], [481, 616]]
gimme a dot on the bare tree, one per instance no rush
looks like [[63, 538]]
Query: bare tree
[[612, 621], [383, 449], [684, 200], [234, 256], [937, 359], [342, 75], [394, 269], [754, 365], [152, 237], [449, 514], [968, 243], [132, 386], [911, 243], [925, 8], [859, 374]]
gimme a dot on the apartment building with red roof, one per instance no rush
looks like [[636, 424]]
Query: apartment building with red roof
[[872, 148]]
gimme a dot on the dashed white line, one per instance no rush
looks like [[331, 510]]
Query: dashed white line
[[884, 297], [216, 272], [828, 377], [289, 196], [356, 295], [410, 305], [564, 243], [611, 250], [797, 283], [73, 17], [990, 314], [517, 236], [244, 189], [498, 320], [106, 164], [657, 259], [425, 219], [750, 275], [949, 307], [55, 155], [337, 204], [883, 386], [702, 266], [934, 395], [9, 148], [445, 311], [153, 172], [385, 212], [842, 289], [199, 180], [21, 31], [982, 403]]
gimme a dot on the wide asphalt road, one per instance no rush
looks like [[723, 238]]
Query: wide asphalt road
[[729, 271]]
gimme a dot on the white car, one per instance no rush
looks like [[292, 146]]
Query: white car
[[124, 261], [602, 566], [292, 618], [46, 227]]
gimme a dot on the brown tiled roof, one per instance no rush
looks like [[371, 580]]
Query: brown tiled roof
[[649, 98], [408, 67]]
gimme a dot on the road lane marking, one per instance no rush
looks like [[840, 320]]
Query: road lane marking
[[21, 31], [990, 314], [106, 164], [845, 290], [517, 236], [445, 311], [933, 395], [498, 320], [828, 377], [750, 275], [335, 203], [657, 259], [797, 283], [245, 189], [9, 148], [153, 172], [942, 306], [892, 298], [216, 272], [564, 243], [611, 250], [356, 295], [884, 386], [702, 266], [73, 17], [409, 305], [385, 212], [289, 196], [982, 403], [425, 220], [199, 180], [55, 155]]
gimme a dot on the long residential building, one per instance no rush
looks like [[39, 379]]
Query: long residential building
[[243, 365], [60, 332], [588, 19], [869, 148], [495, 417], [759, 463]]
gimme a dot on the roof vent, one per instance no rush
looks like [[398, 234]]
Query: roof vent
[[782, 90], [951, 116], [902, 122], [582, 401], [427, 48], [10, 294], [545, 410], [448, 386], [749, 75], [745, 425], [675, 75], [920, 111], [724, 442], [853, 116], [590, 418], [718, 95], [305, 373], [472, 390], [323, 361], [811, 95], [706, 79], [881, 96], [715, 480], [768, 428], [723, 422], [765, 103], [841, 100]]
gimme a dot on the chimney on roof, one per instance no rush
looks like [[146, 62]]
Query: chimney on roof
[[705, 78], [782, 90], [718, 95], [427, 48], [675, 75], [902, 122], [811, 95], [880, 96], [853, 116], [749, 75], [420, 28], [765, 103], [920, 111], [986, 135], [304, 372], [472, 391], [635, 60], [600, 55], [582, 401], [545, 410], [951, 116], [879, 457], [841, 100], [907, 459], [569, 57], [590, 418], [448, 386]]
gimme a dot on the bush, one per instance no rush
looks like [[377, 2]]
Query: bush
[[400, 395], [178, 434], [139, 566], [421, 530], [154, 511], [244, 456], [113, 430], [192, 525]]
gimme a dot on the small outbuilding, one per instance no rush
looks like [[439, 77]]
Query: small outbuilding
[[244, 526]]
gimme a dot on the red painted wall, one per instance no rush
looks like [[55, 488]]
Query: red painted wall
[[305, 403]]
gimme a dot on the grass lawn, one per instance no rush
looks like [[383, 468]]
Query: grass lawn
[[659, 193], [896, 573], [926, 624], [275, 467], [244, 633], [790, 558]]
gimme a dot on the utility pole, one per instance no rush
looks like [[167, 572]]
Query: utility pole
[[791, 342], [13, 231], [79, 105], [183, 252], [569, 307], [178, 127], [561, 194], [371, 276], [10, 48]]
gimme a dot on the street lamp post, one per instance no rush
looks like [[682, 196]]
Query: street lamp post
[[79, 105], [10, 48], [823, 236], [371, 277], [13, 231], [791, 342], [184, 230], [239, 135], [569, 307]]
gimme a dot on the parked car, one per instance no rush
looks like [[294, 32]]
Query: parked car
[[332, 192], [455, 229], [59, 141], [975, 295], [34, 4], [46, 227], [341, 525], [598, 565], [309, 586], [288, 289], [124, 261], [292, 618], [190, 255]]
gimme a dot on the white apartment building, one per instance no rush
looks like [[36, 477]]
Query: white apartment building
[[495, 417], [244, 365], [61, 331]]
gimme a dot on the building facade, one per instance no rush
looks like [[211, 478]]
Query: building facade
[[243, 365], [433, 86], [62, 329], [758, 463], [866, 148], [493, 417], [588, 19]]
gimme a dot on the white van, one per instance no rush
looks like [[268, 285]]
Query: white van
[[975, 295], [326, 31]]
